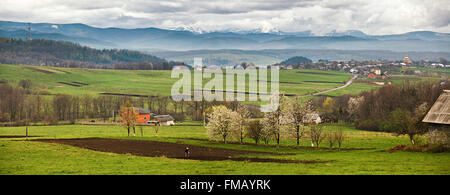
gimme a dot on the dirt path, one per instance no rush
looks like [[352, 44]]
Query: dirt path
[[349, 82], [169, 150]]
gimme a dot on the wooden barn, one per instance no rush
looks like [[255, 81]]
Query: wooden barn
[[439, 114]]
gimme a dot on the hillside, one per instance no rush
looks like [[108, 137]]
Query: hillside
[[56, 80], [59, 53]]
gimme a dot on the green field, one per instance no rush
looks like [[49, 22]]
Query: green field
[[18, 156], [151, 82]]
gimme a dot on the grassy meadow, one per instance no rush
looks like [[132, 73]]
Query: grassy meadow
[[153, 82], [18, 156]]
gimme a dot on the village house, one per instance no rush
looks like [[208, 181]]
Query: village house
[[164, 120], [146, 117], [376, 71], [143, 115], [371, 75], [313, 118]]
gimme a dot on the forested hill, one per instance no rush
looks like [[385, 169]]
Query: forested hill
[[296, 60], [66, 54]]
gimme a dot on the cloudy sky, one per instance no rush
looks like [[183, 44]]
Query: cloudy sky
[[320, 16]]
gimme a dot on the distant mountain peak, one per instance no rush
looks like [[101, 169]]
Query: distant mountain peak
[[185, 37], [354, 33], [190, 29]]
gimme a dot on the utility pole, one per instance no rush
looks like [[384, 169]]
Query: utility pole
[[29, 32]]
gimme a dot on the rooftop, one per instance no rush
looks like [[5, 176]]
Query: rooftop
[[142, 110], [440, 111]]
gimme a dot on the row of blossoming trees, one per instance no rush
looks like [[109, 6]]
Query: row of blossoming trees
[[287, 121]]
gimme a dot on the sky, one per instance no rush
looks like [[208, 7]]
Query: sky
[[374, 17]]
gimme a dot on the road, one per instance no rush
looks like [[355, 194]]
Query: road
[[349, 82]]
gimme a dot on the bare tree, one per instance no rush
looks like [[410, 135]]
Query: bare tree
[[142, 130], [316, 134], [330, 138], [339, 137], [156, 127], [128, 117], [255, 131]]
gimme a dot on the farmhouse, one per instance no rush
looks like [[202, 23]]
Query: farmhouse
[[439, 114], [164, 120], [143, 115], [371, 75], [313, 118]]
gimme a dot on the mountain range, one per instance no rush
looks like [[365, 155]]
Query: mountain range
[[156, 39], [234, 46]]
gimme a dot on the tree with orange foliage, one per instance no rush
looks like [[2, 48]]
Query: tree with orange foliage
[[129, 116]]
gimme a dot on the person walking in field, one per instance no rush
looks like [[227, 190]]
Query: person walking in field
[[187, 152]]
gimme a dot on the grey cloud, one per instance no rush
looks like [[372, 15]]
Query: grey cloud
[[319, 16]]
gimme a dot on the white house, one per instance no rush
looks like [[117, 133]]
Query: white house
[[164, 120], [313, 118]]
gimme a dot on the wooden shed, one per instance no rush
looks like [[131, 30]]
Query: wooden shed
[[440, 111]]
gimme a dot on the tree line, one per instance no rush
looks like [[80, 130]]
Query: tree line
[[20, 106], [391, 108], [72, 55]]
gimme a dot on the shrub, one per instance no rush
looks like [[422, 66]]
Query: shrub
[[434, 148], [437, 137], [26, 84]]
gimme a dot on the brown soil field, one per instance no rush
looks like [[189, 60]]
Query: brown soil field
[[169, 150], [274, 145], [40, 70], [70, 84]]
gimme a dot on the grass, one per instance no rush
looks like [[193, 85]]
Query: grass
[[145, 82], [18, 156], [24, 157]]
